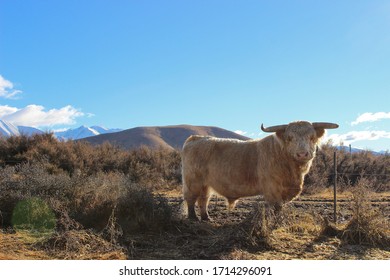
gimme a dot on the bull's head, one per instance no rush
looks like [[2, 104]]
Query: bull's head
[[300, 139]]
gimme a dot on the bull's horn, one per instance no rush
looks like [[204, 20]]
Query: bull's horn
[[274, 128], [325, 125]]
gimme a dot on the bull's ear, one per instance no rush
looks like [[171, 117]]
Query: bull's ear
[[320, 132]]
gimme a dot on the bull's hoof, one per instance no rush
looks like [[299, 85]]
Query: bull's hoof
[[193, 218], [206, 219]]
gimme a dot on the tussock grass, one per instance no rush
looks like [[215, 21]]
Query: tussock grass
[[368, 226], [255, 230]]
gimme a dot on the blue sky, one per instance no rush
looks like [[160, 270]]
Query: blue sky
[[232, 64]]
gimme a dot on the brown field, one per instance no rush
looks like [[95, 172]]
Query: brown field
[[299, 236]]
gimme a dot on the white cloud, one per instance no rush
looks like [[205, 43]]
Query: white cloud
[[7, 110], [7, 89], [371, 117], [36, 116], [354, 136]]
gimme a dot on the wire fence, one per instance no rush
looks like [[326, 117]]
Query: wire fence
[[336, 177]]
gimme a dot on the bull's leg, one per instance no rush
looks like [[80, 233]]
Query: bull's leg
[[191, 209], [203, 202], [274, 214], [191, 194], [277, 208], [274, 205]]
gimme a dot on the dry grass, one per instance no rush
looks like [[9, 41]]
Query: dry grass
[[256, 228], [368, 225], [20, 246], [81, 245], [75, 245], [298, 234]]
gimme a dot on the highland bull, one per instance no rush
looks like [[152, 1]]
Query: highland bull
[[274, 166]]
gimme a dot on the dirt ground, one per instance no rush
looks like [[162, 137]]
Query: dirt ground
[[298, 236]]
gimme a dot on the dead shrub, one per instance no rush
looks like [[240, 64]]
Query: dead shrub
[[94, 198], [256, 228], [264, 223], [139, 210], [154, 169], [113, 231], [112, 202], [350, 167], [145, 166], [27, 181], [368, 225], [63, 220]]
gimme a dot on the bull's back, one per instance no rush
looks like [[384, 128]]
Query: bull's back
[[211, 150], [226, 165], [195, 150]]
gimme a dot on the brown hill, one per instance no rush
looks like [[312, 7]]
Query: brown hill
[[170, 137]]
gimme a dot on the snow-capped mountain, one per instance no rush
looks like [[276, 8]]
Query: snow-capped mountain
[[28, 130], [83, 132], [76, 133], [103, 130], [8, 129]]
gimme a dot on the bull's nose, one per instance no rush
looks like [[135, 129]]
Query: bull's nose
[[303, 155]]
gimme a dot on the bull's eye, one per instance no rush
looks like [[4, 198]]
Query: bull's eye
[[312, 138], [289, 138]]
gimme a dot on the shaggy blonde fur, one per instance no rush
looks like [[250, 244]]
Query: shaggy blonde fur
[[274, 166]]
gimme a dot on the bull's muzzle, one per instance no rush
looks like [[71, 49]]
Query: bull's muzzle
[[303, 156]]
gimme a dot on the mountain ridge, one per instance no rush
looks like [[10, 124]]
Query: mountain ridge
[[166, 137]]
